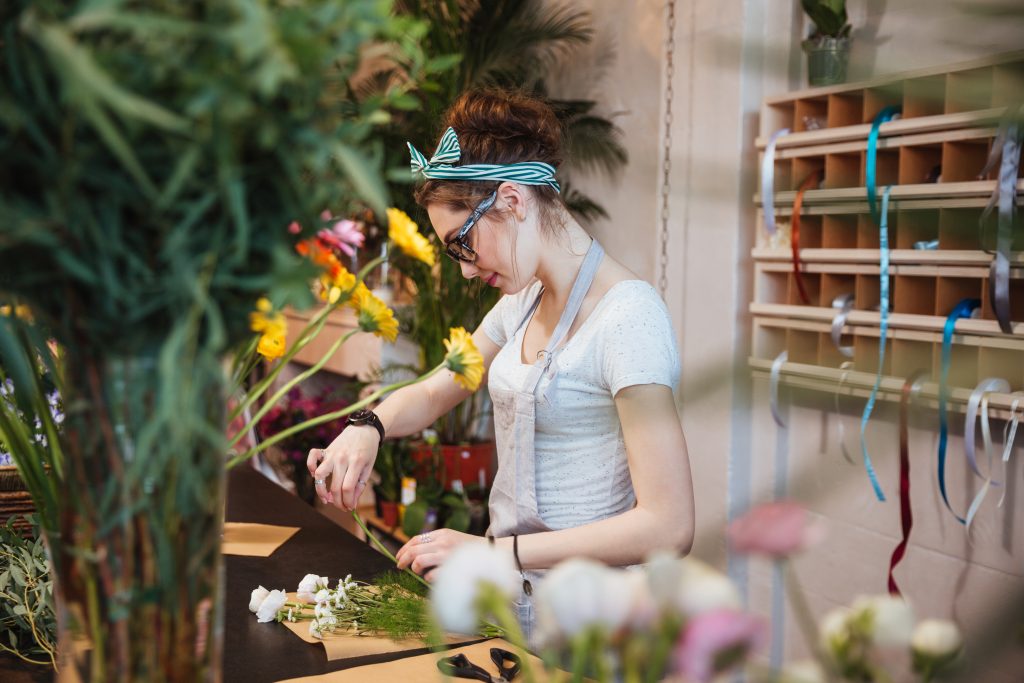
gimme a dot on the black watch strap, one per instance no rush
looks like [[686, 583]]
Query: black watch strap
[[367, 417]]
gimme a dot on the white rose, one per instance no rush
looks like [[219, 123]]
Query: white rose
[[834, 630], [936, 639], [271, 604], [309, 585], [689, 586], [891, 619], [257, 597], [803, 671], [458, 583], [578, 594]]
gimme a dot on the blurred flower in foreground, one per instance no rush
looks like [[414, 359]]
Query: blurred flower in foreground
[[464, 358], [774, 529], [406, 235], [344, 235], [474, 575], [715, 642]]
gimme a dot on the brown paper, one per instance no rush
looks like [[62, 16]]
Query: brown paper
[[256, 540], [423, 668], [344, 644]]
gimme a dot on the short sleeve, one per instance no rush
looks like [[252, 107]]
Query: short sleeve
[[638, 344], [500, 322]]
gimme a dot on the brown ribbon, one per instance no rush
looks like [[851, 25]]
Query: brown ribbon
[[812, 180]]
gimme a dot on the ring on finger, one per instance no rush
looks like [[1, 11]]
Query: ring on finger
[[425, 538], [319, 482]]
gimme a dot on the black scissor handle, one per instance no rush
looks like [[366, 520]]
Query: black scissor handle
[[508, 663], [459, 666]]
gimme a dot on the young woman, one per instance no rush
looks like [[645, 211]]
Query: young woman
[[580, 354]]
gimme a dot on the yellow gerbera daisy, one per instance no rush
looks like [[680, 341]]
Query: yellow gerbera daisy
[[333, 287], [271, 345], [373, 314], [463, 358], [406, 235], [265, 320]]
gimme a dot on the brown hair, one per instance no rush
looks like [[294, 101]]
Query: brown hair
[[499, 127]]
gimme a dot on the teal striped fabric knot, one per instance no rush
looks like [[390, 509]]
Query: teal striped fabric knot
[[441, 166]]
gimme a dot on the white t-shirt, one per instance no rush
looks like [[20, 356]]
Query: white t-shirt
[[582, 474]]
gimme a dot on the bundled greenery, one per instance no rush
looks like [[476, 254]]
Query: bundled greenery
[[506, 43], [26, 596]]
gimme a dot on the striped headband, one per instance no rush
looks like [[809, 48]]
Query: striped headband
[[448, 152]]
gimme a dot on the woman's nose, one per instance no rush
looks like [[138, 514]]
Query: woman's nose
[[469, 270]]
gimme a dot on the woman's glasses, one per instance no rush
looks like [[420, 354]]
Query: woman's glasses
[[457, 247]]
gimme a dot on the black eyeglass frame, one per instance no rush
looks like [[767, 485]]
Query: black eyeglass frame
[[460, 237]]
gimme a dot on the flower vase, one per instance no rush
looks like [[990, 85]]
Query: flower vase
[[827, 59], [138, 568]]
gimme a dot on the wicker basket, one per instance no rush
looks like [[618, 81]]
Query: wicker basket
[[14, 499]]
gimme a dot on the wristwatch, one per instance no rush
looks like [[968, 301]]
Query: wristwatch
[[367, 417]]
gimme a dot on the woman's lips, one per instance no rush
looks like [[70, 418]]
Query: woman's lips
[[492, 279]]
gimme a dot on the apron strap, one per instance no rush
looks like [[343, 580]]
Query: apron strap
[[580, 287]]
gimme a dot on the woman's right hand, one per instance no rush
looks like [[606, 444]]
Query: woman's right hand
[[344, 466]]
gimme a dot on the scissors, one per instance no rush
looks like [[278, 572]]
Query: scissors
[[459, 666]]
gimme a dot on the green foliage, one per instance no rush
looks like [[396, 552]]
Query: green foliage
[[829, 17], [393, 459], [506, 43], [27, 618]]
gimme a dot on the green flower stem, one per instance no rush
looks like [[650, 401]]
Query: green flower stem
[[272, 401], [495, 603], [308, 333], [580, 655], [658, 662], [328, 417], [805, 620], [380, 547]]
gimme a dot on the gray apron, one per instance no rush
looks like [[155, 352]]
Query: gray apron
[[513, 500]]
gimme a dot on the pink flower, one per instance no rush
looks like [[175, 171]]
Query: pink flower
[[774, 529], [343, 235], [294, 228], [714, 642]]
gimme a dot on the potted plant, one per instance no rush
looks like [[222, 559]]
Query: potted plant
[[828, 47]]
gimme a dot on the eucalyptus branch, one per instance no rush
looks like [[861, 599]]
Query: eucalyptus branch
[[328, 417]]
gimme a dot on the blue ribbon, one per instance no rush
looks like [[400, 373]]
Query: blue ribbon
[[883, 326], [870, 162], [961, 310]]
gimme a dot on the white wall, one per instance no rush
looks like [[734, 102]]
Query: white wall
[[730, 54]]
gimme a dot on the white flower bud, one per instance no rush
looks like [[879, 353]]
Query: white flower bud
[[578, 594], [458, 583], [891, 619], [309, 585], [257, 598], [936, 639]]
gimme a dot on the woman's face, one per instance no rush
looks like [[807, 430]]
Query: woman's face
[[492, 240]]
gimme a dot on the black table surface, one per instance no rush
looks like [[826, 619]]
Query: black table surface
[[255, 652]]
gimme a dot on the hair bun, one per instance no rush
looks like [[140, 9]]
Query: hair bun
[[504, 127]]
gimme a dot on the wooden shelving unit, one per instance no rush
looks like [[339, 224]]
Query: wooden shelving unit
[[933, 156]]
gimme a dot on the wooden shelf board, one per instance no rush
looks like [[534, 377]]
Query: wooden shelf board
[[859, 143], [779, 315], [859, 384], [950, 257], [935, 191]]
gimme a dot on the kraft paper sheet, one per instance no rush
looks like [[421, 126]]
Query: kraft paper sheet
[[255, 540]]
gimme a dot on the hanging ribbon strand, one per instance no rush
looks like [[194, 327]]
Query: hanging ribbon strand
[[1007, 147], [961, 310], [883, 326], [843, 305], [812, 180], [773, 387], [871, 159], [910, 387], [768, 181]]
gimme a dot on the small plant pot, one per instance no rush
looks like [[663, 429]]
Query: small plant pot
[[389, 513], [827, 59]]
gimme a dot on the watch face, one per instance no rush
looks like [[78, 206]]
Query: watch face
[[363, 415]]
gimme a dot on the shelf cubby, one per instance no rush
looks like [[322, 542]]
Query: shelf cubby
[[810, 114], [769, 341], [845, 109], [1007, 364], [865, 354], [909, 356], [914, 294], [1016, 300], [836, 284], [810, 232], [783, 175], [828, 354], [924, 96], [968, 90], [812, 285], [916, 226], [867, 292], [878, 98], [949, 291], [842, 170], [869, 232], [771, 286], [802, 346], [958, 229], [887, 168], [963, 365], [839, 231], [803, 167], [919, 164], [964, 160], [1008, 84]]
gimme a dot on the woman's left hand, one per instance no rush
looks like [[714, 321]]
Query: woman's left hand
[[425, 552]]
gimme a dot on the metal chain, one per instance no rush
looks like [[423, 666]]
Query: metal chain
[[666, 159]]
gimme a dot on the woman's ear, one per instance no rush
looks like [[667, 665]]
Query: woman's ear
[[512, 197]]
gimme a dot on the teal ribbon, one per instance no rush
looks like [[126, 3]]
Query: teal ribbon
[[870, 161], [961, 310], [883, 327], [441, 166]]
